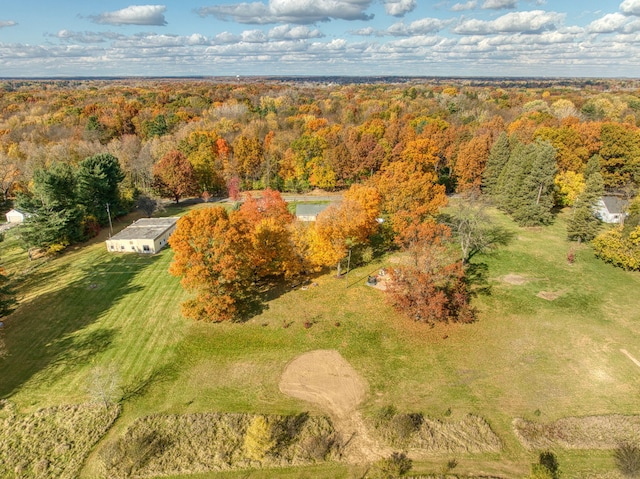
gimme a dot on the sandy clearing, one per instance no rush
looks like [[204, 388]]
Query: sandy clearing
[[326, 379]]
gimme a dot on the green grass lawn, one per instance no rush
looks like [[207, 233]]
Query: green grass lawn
[[525, 356]]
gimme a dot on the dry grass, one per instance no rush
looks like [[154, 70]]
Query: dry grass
[[590, 432], [161, 445], [425, 436], [51, 442]]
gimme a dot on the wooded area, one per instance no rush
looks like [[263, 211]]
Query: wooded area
[[74, 152]]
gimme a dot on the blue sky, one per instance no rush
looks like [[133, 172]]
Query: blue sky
[[566, 38]]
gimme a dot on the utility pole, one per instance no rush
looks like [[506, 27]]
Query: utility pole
[[110, 225]]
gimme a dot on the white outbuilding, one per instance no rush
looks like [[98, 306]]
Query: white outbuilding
[[16, 216], [146, 235]]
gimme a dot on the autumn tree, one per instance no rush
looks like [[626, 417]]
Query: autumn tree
[[470, 164], [408, 187], [173, 177], [273, 250], [212, 256], [342, 227], [620, 155], [618, 247], [430, 288]]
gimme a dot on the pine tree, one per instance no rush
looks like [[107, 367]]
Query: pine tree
[[498, 158], [511, 178], [534, 199], [583, 224]]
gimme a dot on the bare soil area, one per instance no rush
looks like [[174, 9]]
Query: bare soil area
[[326, 379], [515, 279], [550, 295]]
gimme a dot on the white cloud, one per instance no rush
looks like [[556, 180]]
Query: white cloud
[[499, 4], [7, 23], [299, 32], [630, 7], [612, 22], [461, 7], [366, 32], [133, 15], [290, 11], [419, 27], [69, 36], [399, 8], [253, 36], [534, 21]]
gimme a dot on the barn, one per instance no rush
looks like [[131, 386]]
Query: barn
[[146, 235]]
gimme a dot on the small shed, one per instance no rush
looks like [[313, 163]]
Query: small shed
[[146, 235], [612, 209], [310, 211], [16, 216]]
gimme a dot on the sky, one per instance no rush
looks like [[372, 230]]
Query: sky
[[461, 38]]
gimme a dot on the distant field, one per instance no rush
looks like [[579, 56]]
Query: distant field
[[526, 356]]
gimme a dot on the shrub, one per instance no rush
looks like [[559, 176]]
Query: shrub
[[547, 466], [391, 467], [627, 459], [258, 440]]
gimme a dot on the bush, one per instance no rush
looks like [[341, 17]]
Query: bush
[[627, 459], [259, 439], [391, 467]]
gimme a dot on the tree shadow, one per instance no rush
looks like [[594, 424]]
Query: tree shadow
[[58, 330], [477, 278], [269, 289]]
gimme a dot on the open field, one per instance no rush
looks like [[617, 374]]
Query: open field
[[537, 358]]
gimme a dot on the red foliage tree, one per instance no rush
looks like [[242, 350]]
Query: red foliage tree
[[173, 176]]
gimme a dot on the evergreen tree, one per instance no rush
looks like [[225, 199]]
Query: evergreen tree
[[534, 198], [592, 166], [583, 224], [54, 216], [97, 182], [498, 158], [512, 177]]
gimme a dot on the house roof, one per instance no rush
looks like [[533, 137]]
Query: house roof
[[614, 204], [310, 209], [145, 228]]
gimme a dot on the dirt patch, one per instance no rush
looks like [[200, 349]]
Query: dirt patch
[[515, 279], [590, 432], [326, 379], [550, 295]]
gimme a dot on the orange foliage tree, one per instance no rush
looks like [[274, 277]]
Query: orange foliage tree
[[212, 257], [273, 251], [341, 227]]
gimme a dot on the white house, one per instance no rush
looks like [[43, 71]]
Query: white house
[[147, 235], [612, 209], [309, 212], [16, 216]]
